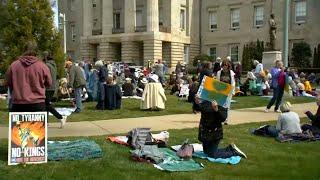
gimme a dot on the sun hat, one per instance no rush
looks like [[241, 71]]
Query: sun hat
[[144, 80], [285, 106]]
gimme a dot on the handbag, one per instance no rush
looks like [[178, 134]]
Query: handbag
[[186, 150]]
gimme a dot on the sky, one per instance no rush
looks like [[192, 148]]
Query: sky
[[54, 7]]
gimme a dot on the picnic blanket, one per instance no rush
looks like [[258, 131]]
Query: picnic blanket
[[173, 163], [119, 140], [64, 111], [198, 152], [73, 150]]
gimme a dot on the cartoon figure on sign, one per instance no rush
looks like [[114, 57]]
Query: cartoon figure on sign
[[26, 135]]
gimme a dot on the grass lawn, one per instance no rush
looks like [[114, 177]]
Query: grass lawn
[[267, 159], [131, 108]]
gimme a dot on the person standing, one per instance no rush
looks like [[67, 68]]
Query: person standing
[[102, 76], [217, 65], [51, 89], [227, 75], [27, 79], [77, 82], [277, 84], [260, 75], [158, 69]]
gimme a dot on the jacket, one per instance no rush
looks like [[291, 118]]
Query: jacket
[[315, 119], [27, 78], [76, 78], [210, 127], [112, 98], [53, 71], [153, 97], [127, 89]]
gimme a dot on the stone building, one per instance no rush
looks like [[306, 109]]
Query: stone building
[[176, 30]]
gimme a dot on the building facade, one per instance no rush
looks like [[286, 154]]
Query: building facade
[[136, 31]]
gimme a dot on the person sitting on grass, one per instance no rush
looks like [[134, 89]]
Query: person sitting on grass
[[211, 131], [288, 122], [315, 120], [128, 88]]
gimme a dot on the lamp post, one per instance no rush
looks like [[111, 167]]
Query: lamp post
[[286, 32], [63, 16]]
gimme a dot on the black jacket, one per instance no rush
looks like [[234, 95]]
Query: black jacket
[[112, 97], [210, 128]]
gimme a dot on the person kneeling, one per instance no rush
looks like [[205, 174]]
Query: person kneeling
[[288, 122], [211, 132]]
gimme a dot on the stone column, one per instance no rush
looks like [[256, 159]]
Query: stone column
[[87, 18], [152, 50], [152, 16], [129, 15], [104, 49], [129, 51], [107, 16], [176, 54]]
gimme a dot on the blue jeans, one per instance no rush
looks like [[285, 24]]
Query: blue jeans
[[212, 150], [276, 98], [272, 131], [78, 97]]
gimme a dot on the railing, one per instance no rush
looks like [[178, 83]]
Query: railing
[[140, 29], [165, 29], [117, 30], [97, 32]]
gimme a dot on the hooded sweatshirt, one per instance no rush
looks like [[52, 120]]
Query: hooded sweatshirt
[[28, 78]]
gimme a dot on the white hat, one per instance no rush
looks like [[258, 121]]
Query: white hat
[[154, 77], [228, 58], [128, 79], [144, 80], [285, 106], [218, 58], [99, 63]]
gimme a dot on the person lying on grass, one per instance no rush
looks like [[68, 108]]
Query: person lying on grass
[[315, 120], [288, 122], [211, 132]]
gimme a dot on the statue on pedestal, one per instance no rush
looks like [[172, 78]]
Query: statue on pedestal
[[272, 32]]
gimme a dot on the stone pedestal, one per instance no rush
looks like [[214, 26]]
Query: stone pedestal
[[269, 57]]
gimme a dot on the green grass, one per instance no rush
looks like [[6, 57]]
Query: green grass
[[131, 108], [267, 159]]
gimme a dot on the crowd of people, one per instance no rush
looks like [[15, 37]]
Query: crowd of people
[[32, 85]]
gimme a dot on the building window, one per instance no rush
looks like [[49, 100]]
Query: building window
[[301, 11], [235, 18], [182, 19], [258, 16], [186, 54], [213, 52], [94, 3], [73, 32], [212, 20], [95, 21], [139, 17], [234, 53], [116, 20]]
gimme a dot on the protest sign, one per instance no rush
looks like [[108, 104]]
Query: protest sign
[[27, 138]]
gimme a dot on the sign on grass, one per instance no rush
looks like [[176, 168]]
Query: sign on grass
[[211, 89], [27, 138]]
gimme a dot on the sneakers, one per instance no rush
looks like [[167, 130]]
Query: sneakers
[[63, 121], [266, 110], [238, 151], [277, 111], [77, 110]]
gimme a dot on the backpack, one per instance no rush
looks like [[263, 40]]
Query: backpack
[[186, 150]]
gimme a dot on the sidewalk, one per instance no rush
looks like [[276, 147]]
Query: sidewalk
[[156, 123]]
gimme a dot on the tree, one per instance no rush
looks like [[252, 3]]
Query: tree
[[315, 58], [252, 51], [24, 21], [202, 58], [301, 54]]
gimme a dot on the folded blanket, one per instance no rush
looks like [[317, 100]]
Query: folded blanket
[[173, 163], [232, 160], [73, 150], [119, 140]]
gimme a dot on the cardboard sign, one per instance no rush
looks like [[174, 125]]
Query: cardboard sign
[[27, 138], [211, 89]]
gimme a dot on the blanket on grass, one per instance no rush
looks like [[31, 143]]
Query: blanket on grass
[[198, 152], [73, 150], [173, 163], [64, 111]]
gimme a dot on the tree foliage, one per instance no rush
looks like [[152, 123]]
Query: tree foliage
[[23, 21], [202, 58], [252, 51], [301, 54], [316, 57]]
